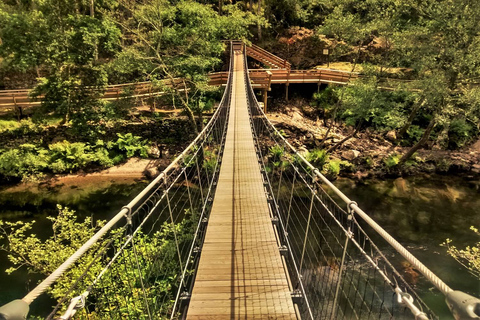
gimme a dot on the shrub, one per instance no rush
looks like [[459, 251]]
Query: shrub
[[459, 133], [75, 155], [276, 152], [333, 168], [317, 157], [131, 145], [22, 163], [392, 160]]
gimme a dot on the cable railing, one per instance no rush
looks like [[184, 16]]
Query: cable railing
[[337, 270]]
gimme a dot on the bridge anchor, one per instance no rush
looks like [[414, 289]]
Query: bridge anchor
[[463, 306], [15, 310]]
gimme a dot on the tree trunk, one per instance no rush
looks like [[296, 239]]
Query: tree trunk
[[412, 115], [259, 12], [220, 7], [420, 143], [251, 5], [339, 101], [92, 8], [191, 117]]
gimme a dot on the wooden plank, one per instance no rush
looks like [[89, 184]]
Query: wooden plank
[[240, 273]]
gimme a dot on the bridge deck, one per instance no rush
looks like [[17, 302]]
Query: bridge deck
[[240, 274]]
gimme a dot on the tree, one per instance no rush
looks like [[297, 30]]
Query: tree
[[73, 92], [182, 40], [156, 254]]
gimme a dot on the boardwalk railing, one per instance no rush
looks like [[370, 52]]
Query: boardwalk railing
[[266, 57]]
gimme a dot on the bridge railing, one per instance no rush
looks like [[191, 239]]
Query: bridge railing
[[141, 263], [336, 269]]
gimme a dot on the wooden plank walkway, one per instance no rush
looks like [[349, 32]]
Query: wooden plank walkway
[[240, 273]]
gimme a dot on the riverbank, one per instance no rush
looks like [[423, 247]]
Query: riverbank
[[371, 154], [79, 184]]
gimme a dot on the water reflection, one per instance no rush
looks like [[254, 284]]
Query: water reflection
[[421, 212]]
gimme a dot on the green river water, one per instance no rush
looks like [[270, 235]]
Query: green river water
[[420, 212]]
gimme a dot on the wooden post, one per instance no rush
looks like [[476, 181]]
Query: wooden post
[[269, 75], [265, 100], [286, 85]]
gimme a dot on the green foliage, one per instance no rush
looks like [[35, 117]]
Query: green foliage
[[73, 93], [414, 133], [468, 257], [209, 161], [27, 250], [392, 160], [317, 157], [156, 254], [333, 168], [66, 156], [29, 161], [276, 152], [23, 163], [324, 100], [459, 133], [131, 145]]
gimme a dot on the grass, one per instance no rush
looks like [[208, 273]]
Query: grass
[[10, 123]]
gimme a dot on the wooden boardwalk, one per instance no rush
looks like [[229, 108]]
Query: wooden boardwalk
[[240, 274]]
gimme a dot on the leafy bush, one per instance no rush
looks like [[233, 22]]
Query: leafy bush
[[131, 145], [25, 250], [317, 157], [333, 168], [276, 152], [60, 157], [69, 156], [210, 161], [23, 162], [392, 160], [459, 133], [414, 133]]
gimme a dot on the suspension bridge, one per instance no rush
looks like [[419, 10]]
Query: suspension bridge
[[239, 226]]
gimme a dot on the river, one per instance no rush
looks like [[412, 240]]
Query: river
[[420, 212]]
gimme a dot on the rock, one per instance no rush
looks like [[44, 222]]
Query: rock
[[350, 154], [151, 173], [154, 152], [359, 176], [391, 136], [476, 168], [302, 150]]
